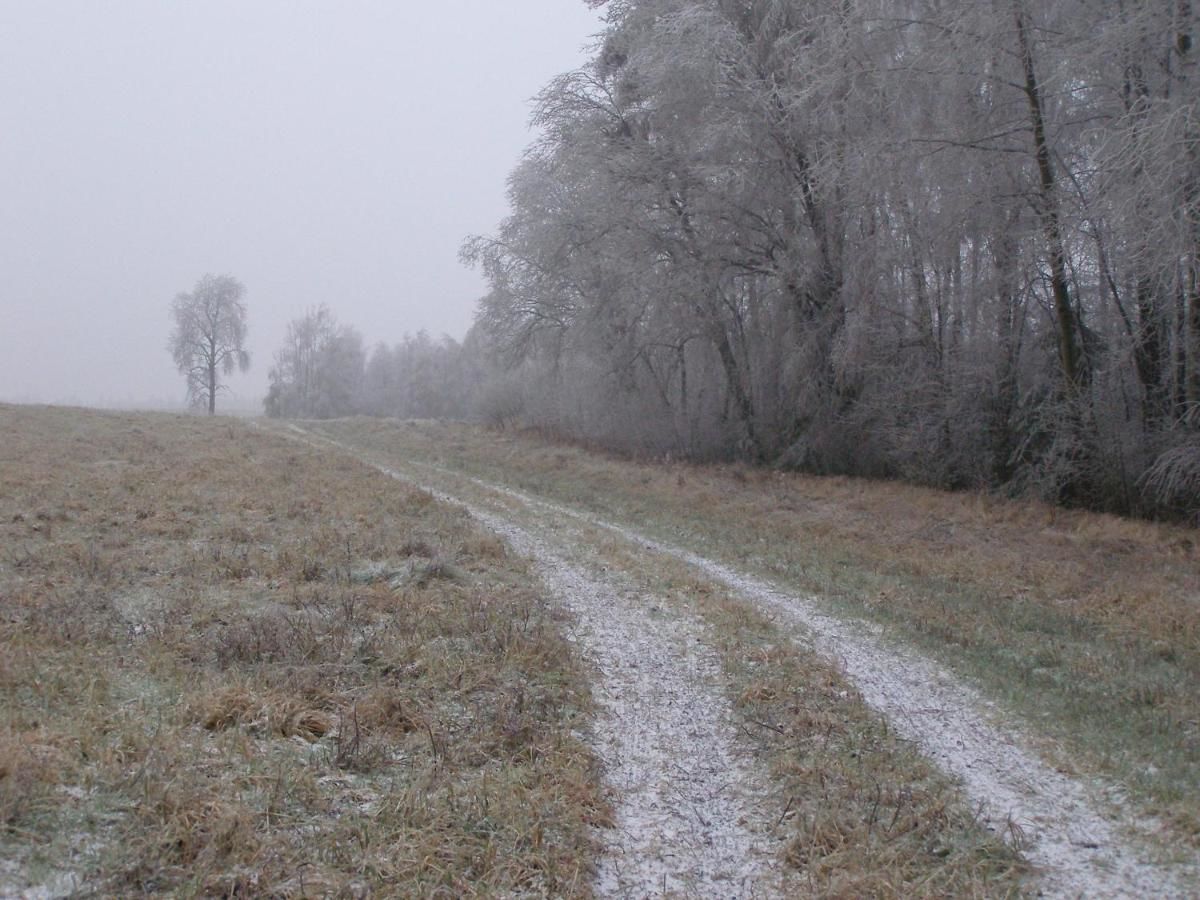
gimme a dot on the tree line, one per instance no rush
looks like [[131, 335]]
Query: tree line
[[952, 242], [955, 242], [323, 371]]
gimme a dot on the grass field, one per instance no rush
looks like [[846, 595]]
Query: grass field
[[234, 665], [1086, 626]]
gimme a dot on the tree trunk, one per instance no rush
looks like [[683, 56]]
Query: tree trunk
[[738, 392], [1191, 273], [1192, 334], [1148, 338], [1069, 348], [1007, 385]]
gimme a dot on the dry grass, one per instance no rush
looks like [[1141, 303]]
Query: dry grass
[[1087, 625], [233, 665]]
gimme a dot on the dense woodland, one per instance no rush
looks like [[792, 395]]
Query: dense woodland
[[954, 242]]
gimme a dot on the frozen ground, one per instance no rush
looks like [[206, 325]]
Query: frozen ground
[[684, 823], [682, 793]]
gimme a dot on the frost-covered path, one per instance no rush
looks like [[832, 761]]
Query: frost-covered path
[[681, 792], [687, 803], [1076, 835]]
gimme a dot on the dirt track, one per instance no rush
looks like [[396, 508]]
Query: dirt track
[[1075, 834]]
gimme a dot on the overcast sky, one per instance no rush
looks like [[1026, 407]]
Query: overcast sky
[[321, 152]]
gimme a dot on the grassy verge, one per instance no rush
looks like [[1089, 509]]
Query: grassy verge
[[1086, 625], [230, 664]]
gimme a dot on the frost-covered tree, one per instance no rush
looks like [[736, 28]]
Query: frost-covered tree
[[209, 336], [419, 378], [318, 372], [954, 242]]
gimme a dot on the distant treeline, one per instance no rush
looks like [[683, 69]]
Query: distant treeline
[[323, 371], [957, 243]]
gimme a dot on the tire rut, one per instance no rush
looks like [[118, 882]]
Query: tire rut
[[1076, 834], [678, 782], [684, 821]]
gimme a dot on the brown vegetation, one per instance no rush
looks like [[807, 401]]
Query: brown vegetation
[[230, 664], [1086, 624]]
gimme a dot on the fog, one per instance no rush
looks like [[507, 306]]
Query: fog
[[332, 153]]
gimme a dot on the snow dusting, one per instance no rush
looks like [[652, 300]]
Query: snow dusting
[[678, 781]]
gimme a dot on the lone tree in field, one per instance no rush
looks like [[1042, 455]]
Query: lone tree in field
[[209, 336]]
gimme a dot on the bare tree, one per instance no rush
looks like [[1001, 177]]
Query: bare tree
[[209, 336]]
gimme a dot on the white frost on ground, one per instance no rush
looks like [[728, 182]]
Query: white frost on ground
[[1073, 835], [682, 826], [1079, 846], [1070, 832], [57, 883]]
